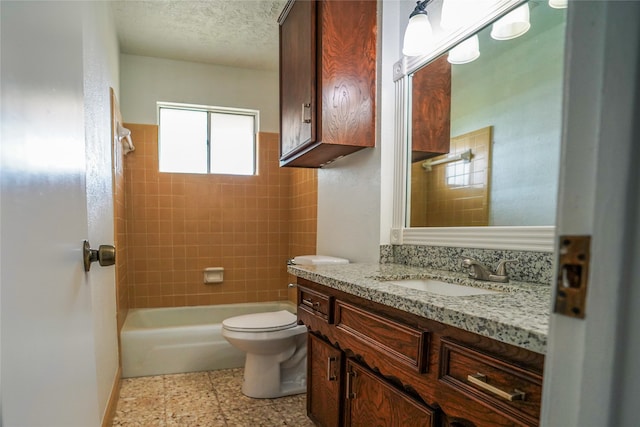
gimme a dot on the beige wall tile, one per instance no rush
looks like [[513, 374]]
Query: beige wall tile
[[179, 224]]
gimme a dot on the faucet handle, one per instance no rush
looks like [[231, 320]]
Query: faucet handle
[[466, 261], [501, 270]]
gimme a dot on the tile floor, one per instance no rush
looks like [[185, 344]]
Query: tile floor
[[203, 399]]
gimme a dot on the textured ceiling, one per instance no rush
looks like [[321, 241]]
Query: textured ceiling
[[237, 33]]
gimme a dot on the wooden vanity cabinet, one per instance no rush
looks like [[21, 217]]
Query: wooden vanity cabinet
[[327, 80], [324, 381], [355, 396], [394, 368], [372, 401]]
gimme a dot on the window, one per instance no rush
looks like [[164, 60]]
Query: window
[[197, 139]]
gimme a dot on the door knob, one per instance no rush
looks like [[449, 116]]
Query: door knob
[[105, 255]]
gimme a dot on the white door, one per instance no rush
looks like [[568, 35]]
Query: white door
[[591, 376], [48, 361]]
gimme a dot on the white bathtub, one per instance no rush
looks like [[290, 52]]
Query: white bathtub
[[157, 341]]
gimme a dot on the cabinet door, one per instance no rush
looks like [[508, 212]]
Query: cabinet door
[[297, 77], [371, 402], [348, 77], [431, 110], [324, 382]]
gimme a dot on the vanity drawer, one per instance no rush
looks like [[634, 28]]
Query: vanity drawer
[[316, 304], [506, 388], [402, 343]]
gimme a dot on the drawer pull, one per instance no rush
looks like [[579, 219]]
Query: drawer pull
[[309, 302], [331, 375], [481, 381], [349, 385]]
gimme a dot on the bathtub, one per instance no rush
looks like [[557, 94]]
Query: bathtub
[[157, 341]]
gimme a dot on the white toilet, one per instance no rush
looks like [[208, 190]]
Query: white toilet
[[276, 347]]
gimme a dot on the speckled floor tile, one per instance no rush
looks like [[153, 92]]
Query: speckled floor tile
[[294, 413], [140, 411], [229, 392], [203, 399], [143, 386], [196, 419], [225, 373]]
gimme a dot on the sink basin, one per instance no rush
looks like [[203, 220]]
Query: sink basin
[[441, 288]]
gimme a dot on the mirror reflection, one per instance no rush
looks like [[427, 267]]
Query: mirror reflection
[[505, 128]]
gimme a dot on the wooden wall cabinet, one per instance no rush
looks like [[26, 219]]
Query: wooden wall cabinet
[[327, 80], [431, 110], [373, 365]]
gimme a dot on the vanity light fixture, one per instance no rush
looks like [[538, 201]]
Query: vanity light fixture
[[558, 4], [512, 25], [418, 36], [452, 15], [462, 13], [465, 52]]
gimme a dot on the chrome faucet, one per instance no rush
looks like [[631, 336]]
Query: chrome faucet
[[479, 271]]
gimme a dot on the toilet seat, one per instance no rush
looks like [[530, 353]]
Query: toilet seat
[[261, 322]]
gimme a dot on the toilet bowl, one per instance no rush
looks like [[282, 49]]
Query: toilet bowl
[[276, 348]]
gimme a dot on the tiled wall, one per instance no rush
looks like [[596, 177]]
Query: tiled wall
[[457, 193], [304, 215], [120, 238], [119, 216], [179, 224]]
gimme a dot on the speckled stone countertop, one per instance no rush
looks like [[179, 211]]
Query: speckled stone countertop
[[518, 315]]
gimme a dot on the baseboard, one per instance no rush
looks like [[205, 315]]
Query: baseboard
[[110, 411]]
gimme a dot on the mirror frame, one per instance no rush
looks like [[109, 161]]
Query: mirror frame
[[525, 238]]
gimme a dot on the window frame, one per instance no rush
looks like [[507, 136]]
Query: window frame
[[211, 110]]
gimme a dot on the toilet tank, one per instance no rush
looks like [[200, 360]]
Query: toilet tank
[[318, 260]]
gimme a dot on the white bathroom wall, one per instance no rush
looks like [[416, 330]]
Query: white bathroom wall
[[355, 192], [100, 56], [349, 207], [145, 81], [390, 37]]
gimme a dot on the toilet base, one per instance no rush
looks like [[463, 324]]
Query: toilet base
[[266, 377]]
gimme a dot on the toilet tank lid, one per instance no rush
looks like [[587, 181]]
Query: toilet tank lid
[[261, 322], [319, 260]]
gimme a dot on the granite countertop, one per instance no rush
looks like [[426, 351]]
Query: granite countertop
[[518, 315]]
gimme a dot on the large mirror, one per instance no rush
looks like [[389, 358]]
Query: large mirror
[[544, 131], [505, 119]]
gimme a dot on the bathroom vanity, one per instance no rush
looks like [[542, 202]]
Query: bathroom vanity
[[383, 354]]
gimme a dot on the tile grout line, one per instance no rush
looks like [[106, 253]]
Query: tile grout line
[[164, 400], [215, 393]]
